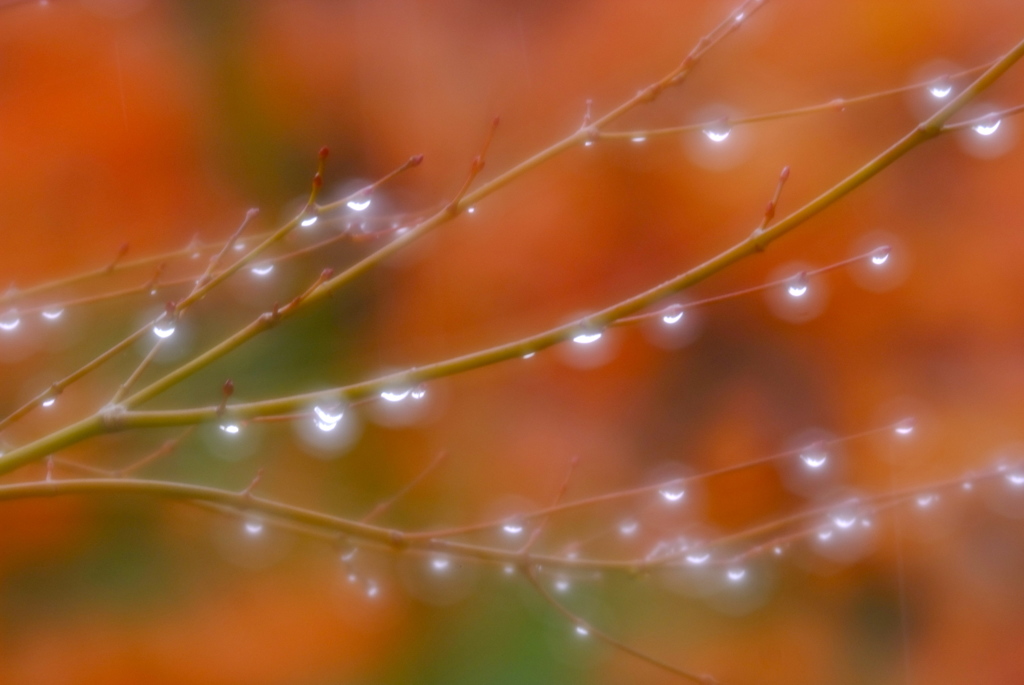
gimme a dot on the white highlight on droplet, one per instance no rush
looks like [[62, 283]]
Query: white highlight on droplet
[[638, 139], [395, 395], [253, 527], [440, 563], [263, 270], [582, 632], [1015, 479], [372, 590], [586, 338], [52, 314], [797, 286], [628, 528], [904, 427], [471, 210], [814, 459], [529, 355], [940, 90], [673, 317], [513, 528], [987, 129], [825, 535], [325, 420], [589, 143], [306, 223], [418, 393], [49, 402], [357, 206], [844, 522], [735, 575], [230, 428], [10, 321], [163, 330], [672, 494], [698, 558], [562, 585], [880, 256], [925, 501], [717, 135]]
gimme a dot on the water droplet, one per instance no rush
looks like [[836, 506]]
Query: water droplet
[[395, 395], [814, 458], [639, 139], [627, 528], [905, 427], [418, 393], [351, 577], [698, 558], [581, 631], [589, 143], [586, 338], [239, 246], [672, 494], [825, 535], [513, 527], [508, 569], [471, 210], [230, 428], [306, 223], [844, 522], [10, 321], [717, 134], [968, 485], [880, 256], [1015, 479], [52, 314], [163, 330], [735, 575], [777, 551], [673, 315], [253, 527], [349, 555], [325, 420], [357, 205], [263, 270], [440, 564], [562, 585], [925, 501], [988, 128], [49, 402], [529, 355], [372, 590], [797, 285], [940, 90]]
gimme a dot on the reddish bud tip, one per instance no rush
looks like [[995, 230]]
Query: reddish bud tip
[[416, 160], [326, 273], [229, 388], [784, 176], [318, 181], [171, 307], [324, 151], [497, 120]]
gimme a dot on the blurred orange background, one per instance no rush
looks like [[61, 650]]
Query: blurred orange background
[[151, 122]]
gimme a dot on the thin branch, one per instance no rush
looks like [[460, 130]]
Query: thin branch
[[586, 629]]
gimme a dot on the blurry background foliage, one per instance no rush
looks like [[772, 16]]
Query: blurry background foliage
[[151, 121]]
